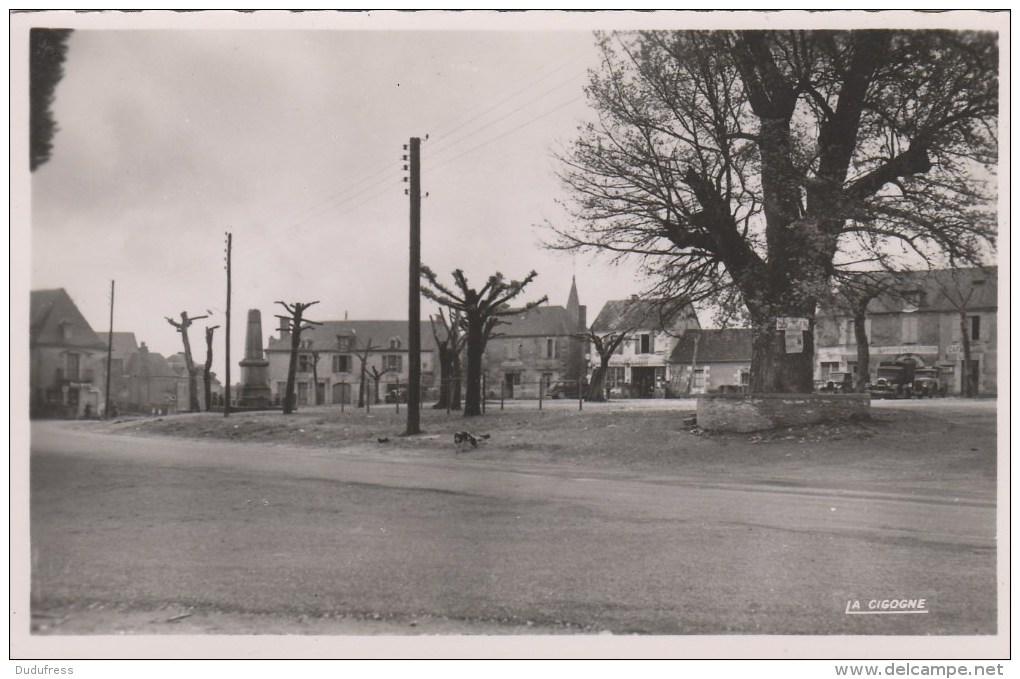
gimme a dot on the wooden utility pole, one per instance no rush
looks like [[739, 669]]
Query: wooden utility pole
[[414, 296], [296, 327], [226, 382], [182, 328], [109, 357]]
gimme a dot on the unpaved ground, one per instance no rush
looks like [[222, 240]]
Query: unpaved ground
[[908, 445], [613, 519]]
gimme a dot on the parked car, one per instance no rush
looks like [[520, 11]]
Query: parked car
[[894, 380], [396, 395], [928, 382], [562, 390]]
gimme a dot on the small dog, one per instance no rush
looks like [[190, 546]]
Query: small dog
[[466, 438]]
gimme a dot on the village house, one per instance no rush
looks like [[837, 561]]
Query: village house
[[640, 367], [332, 353], [64, 354], [711, 360], [532, 352], [920, 323]]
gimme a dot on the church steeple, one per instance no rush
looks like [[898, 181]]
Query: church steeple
[[575, 311]]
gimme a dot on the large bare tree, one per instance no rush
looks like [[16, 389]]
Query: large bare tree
[[481, 310], [189, 363], [605, 345], [295, 323], [449, 345], [760, 163]]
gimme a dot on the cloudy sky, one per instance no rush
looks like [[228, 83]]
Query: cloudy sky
[[288, 131], [292, 140]]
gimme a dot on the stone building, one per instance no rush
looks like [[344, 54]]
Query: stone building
[[537, 349], [711, 360], [921, 322], [332, 351], [641, 366], [65, 357]]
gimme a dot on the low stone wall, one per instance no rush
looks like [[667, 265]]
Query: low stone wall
[[756, 412]]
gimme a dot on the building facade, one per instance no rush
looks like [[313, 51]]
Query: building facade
[[711, 360], [923, 322], [536, 350], [65, 358], [331, 356], [640, 367]]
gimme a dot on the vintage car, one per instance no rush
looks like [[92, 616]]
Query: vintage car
[[894, 380], [928, 382]]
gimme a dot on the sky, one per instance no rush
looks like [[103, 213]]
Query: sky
[[288, 131], [292, 140]]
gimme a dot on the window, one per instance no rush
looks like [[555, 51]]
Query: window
[[910, 329], [73, 367], [66, 331], [393, 363], [829, 367], [302, 393], [546, 382], [304, 363], [699, 379], [342, 364], [615, 376], [646, 344], [343, 344], [394, 343], [975, 327], [550, 347]]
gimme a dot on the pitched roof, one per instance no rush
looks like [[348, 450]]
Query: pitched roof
[[124, 344], [148, 363], [538, 321], [945, 290], [378, 332], [638, 314], [715, 345], [49, 310]]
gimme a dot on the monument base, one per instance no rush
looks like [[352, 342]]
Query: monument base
[[758, 412]]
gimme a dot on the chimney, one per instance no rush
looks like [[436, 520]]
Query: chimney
[[284, 328], [633, 298]]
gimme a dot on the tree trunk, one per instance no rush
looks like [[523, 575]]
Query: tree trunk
[[193, 405], [288, 396], [456, 375], [444, 376], [863, 350], [315, 382], [773, 370], [475, 348], [967, 381], [207, 374], [597, 388]]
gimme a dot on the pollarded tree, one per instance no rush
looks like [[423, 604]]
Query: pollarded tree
[[449, 345], [605, 346], [295, 323], [481, 311], [760, 163]]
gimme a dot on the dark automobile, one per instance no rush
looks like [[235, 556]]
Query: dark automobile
[[894, 380], [928, 382], [563, 390], [397, 395]]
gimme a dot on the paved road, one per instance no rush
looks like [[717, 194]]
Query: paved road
[[257, 537]]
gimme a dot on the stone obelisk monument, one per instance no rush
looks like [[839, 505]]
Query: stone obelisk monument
[[254, 367]]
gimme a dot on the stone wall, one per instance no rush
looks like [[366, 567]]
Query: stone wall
[[756, 412]]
